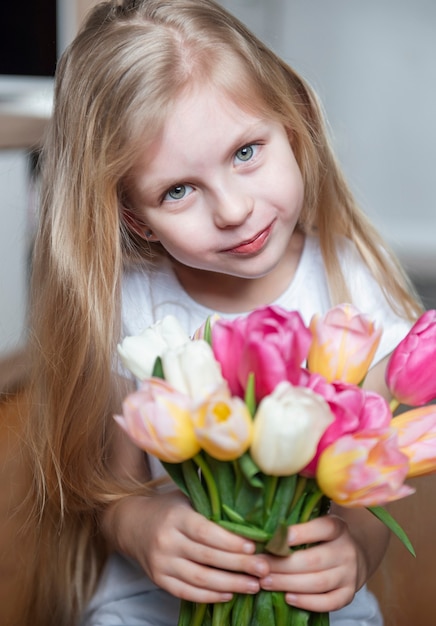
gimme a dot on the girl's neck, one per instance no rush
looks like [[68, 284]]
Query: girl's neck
[[232, 294]]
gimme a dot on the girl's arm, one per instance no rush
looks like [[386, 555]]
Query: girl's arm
[[179, 549]]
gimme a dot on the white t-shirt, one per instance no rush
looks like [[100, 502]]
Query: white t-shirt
[[150, 295]]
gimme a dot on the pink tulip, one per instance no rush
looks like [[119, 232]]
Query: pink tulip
[[270, 342], [158, 420], [411, 373], [344, 344], [355, 410], [363, 470], [416, 431]]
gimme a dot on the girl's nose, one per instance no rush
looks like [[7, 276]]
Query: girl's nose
[[231, 207]]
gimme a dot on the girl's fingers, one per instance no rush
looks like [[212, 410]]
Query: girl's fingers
[[326, 602], [208, 533], [327, 528], [199, 583]]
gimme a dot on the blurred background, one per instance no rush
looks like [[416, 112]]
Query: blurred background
[[372, 63]]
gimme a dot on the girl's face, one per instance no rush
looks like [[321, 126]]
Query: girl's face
[[222, 191]]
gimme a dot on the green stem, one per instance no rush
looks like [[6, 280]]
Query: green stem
[[269, 493], [199, 612], [185, 613], [394, 404], [211, 486], [299, 489], [311, 503], [221, 612]]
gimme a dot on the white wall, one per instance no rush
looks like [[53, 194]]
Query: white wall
[[13, 248], [374, 65]]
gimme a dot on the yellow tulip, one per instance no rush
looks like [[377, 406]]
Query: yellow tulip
[[223, 426]]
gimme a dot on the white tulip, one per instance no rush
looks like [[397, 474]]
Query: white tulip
[[139, 352], [287, 428], [192, 369]]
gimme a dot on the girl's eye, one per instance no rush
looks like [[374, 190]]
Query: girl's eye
[[246, 153], [178, 192]]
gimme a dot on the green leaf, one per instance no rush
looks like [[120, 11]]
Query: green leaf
[[242, 610], [158, 369], [263, 613], [282, 500], [393, 526], [233, 515], [245, 530], [174, 470], [221, 612], [225, 478], [250, 394], [197, 493], [250, 470], [278, 544], [208, 331]]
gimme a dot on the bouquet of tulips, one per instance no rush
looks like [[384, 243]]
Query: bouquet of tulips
[[262, 421]]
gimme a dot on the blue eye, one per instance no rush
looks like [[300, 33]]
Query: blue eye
[[245, 153], [178, 192]]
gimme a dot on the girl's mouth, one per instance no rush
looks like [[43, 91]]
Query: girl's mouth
[[254, 245]]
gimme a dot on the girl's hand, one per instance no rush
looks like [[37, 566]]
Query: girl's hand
[[184, 553], [325, 576]]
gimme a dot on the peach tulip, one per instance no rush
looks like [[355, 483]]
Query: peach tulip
[[363, 470], [223, 426], [159, 420], [417, 439], [344, 344]]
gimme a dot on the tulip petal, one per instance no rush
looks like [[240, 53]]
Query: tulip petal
[[410, 371], [344, 344], [417, 439], [287, 427], [159, 421], [363, 470]]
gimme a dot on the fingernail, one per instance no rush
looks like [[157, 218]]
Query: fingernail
[[252, 586], [266, 582], [248, 548], [261, 568]]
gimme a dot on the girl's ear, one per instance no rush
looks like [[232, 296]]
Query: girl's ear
[[137, 226]]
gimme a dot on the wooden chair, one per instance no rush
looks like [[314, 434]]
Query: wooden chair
[[405, 585], [15, 545]]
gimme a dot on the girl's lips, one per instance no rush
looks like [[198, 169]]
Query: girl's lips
[[253, 245]]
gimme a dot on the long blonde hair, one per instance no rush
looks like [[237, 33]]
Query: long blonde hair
[[114, 87]]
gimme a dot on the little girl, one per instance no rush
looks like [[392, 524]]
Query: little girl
[[187, 170]]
